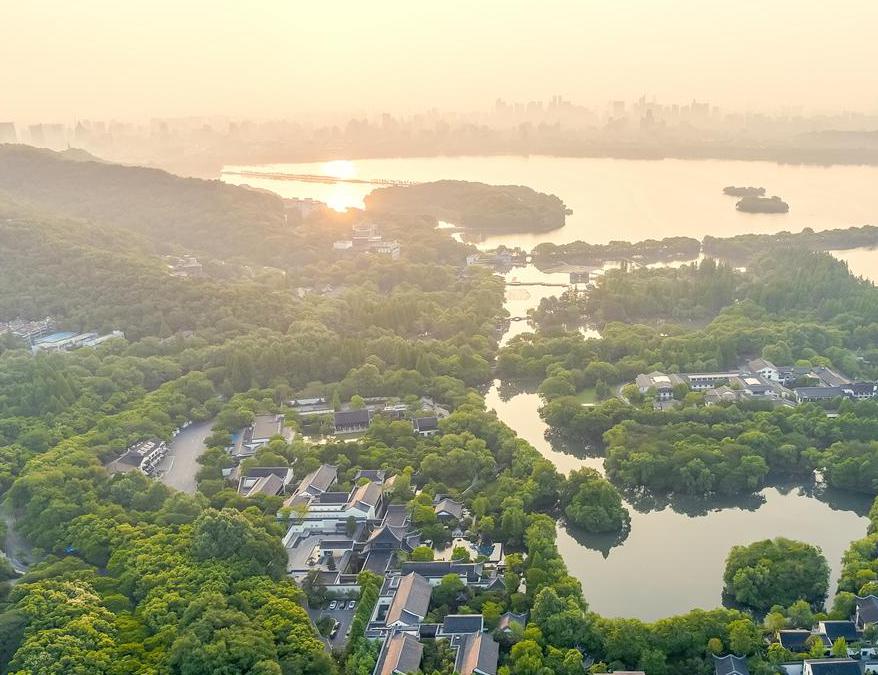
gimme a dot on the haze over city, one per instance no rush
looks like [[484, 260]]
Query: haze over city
[[278, 59]]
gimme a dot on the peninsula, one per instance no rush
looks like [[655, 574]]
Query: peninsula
[[477, 206]]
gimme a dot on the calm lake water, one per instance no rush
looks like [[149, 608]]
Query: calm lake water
[[620, 198], [683, 543], [680, 545]]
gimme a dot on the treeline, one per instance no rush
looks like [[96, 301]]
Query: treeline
[[740, 249], [547, 255], [666, 295], [724, 449], [225, 220], [743, 248]]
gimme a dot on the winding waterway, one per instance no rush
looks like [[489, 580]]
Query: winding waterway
[[680, 544], [672, 559]]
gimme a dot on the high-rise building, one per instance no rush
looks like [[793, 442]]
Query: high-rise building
[[7, 132]]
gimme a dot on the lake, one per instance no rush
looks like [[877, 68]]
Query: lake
[[683, 543], [680, 545], [619, 199]]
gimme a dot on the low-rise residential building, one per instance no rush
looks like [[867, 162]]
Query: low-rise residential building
[[866, 612], [705, 381], [366, 238], [318, 481], [461, 624], [395, 411], [829, 377], [143, 456], [352, 421], [306, 407], [68, 340], [831, 667], [662, 384], [765, 369], [796, 641], [759, 379], [400, 654], [426, 426], [184, 266], [476, 654], [259, 433], [267, 480], [730, 665], [471, 574], [411, 600], [448, 509], [28, 330], [831, 631], [374, 475], [755, 386], [510, 619], [723, 394], [817, 394]]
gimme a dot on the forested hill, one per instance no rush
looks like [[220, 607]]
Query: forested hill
[[210, 216]]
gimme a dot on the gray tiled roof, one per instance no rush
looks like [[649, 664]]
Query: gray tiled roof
[[411, 601], [834, 667], [837, 629], [353, 418], [426, 423], [463, 623], [319, 480], [266, 426], [401, 654], [476, 653], [867, 608], [449, 506], [794, 640], [730, 665], [508, 618]]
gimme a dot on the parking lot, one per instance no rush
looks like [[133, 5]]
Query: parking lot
[[344, 618]]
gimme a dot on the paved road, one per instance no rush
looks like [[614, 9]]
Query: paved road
[[181, 463], [344, 618]]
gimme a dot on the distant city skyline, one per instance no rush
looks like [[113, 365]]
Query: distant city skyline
[[137, 60]]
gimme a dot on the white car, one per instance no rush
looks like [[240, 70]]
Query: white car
[[332, 604], [352, 604]]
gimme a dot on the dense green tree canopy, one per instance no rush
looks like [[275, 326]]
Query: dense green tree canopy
[[776, 572]]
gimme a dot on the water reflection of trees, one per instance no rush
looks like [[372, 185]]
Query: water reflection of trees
[[838, 500], [646, 501], [603, 543], [559, 444], [509, 389]]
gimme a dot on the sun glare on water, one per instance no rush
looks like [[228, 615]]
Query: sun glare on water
[[339, 168]]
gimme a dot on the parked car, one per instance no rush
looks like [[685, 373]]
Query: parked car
[[334, 630], [332, 604], [352, 604]]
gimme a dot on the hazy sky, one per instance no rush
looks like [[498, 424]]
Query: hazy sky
[[273, 58]]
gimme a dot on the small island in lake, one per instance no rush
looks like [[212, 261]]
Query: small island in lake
[[490, 208], [762, 205], [735, 191]]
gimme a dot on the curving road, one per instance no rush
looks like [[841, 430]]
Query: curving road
[[181, 463]]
